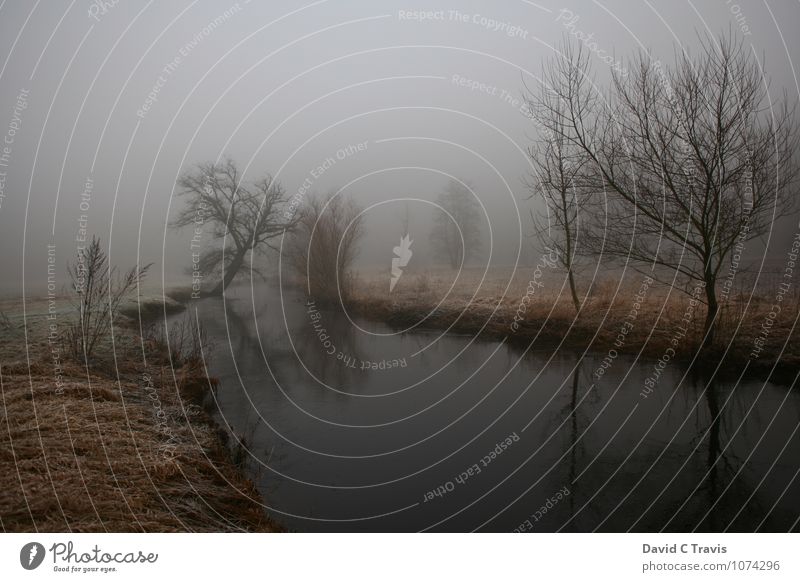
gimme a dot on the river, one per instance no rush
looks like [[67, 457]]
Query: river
[[348, 425]]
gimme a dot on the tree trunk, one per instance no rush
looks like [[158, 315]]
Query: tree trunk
[[230, 272], [572, 289], [568, 259]]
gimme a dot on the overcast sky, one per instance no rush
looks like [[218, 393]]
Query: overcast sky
[[281, 86]]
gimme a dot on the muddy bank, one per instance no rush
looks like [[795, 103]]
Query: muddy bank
[[126, 446]]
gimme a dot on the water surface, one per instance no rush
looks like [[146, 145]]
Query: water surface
[[348, 425]]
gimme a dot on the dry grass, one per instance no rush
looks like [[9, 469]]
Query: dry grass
[[480, 305], [112, 451]]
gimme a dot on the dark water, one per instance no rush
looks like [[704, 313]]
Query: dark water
[[508, 438]]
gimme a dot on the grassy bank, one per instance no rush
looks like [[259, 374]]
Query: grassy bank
[[631, 317], [123, 445]]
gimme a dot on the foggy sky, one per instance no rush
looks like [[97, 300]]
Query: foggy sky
[[282, 86]]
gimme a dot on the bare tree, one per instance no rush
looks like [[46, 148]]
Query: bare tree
[[324, 246], [456, 234], [244, 216], [558, 178], [99, 291], [694, 157]]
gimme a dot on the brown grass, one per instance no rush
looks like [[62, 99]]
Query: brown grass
[[95, 454], [475, 306]]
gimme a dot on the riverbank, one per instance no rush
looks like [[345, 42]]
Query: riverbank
[[125, 446], [641, 318]]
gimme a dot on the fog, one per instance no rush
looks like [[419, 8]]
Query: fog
[[103, 105]]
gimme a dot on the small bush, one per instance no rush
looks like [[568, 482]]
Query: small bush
[[99, 291]]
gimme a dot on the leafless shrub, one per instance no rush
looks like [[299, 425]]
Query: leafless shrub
[[99, 291], [324, 246]]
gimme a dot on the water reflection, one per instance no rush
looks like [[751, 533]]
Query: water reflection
[[336, 447]]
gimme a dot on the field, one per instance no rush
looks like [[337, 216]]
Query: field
[[121, 445]]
